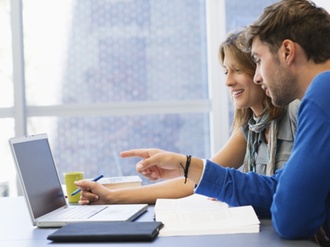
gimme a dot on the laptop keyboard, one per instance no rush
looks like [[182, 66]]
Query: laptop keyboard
[[79, 212]]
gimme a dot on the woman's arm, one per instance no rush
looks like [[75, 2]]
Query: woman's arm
[[231, 155], [95, 193], [233, 152], [225, 184]]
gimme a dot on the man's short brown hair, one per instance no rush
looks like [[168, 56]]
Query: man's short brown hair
[[298, 20]]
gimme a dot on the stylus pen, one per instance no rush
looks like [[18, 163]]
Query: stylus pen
[[78, 190]]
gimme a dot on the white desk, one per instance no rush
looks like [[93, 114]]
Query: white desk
[[16, 230]]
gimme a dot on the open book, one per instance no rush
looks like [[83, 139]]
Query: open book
[[198, 215]]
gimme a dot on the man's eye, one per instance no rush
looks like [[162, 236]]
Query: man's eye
[[255, 59]]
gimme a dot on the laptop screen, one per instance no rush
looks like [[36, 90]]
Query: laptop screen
[[37, 169]]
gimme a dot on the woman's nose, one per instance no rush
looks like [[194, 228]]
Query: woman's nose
[[229, 80]]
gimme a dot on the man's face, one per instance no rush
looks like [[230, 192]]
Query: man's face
[[272, 73]]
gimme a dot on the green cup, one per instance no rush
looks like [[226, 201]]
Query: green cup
[[69, 179]]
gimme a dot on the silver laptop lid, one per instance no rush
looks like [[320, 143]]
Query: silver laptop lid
[[38, 175]]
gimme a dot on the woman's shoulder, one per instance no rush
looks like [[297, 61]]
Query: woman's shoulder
[[288, 123], [245, 130], [293, 108]]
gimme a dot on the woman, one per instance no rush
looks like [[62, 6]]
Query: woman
[[261, 139]]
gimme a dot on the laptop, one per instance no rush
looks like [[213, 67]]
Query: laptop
[[43, 192]]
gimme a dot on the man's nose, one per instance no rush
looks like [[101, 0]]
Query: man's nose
[[257, 78]]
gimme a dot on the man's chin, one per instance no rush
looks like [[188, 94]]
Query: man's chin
[[277, 102]]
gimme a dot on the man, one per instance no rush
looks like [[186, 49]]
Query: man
[[290, 44]]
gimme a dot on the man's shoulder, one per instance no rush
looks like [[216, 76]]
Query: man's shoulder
[[318, 91], [321, 80]]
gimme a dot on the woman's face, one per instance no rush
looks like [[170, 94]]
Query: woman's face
[[244, 92]]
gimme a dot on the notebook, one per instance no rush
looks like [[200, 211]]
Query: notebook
[[43, 192]]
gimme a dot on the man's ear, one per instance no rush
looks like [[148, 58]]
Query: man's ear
[[288, 51]]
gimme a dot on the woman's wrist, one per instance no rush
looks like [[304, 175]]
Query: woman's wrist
[[192, 168], [185, 167]]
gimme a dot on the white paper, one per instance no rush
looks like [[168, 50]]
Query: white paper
[[198, 215]]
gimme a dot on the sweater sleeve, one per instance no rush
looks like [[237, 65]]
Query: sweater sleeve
[[238, 189], [300, 202]]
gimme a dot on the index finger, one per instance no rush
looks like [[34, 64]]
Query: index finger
[[85, 184], [142, 153]]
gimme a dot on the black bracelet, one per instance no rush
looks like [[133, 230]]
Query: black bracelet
[[186, 168]]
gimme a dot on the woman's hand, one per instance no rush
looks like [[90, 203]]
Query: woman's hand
[[93, 193]]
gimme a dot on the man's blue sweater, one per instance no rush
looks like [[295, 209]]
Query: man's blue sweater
[[297, 197]]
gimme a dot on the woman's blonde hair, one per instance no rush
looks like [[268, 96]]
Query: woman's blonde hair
[[244, 62]]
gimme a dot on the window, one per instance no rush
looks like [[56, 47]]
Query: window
[[108, 76], [102, 76], [122, 59], [6, 98]]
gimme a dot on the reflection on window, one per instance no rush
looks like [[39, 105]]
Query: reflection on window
[[6, 70], [93, 144], [242, 13], [7, 170], [115, 51]]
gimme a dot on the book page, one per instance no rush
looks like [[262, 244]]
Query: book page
[[198, 215], [195, 201]]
